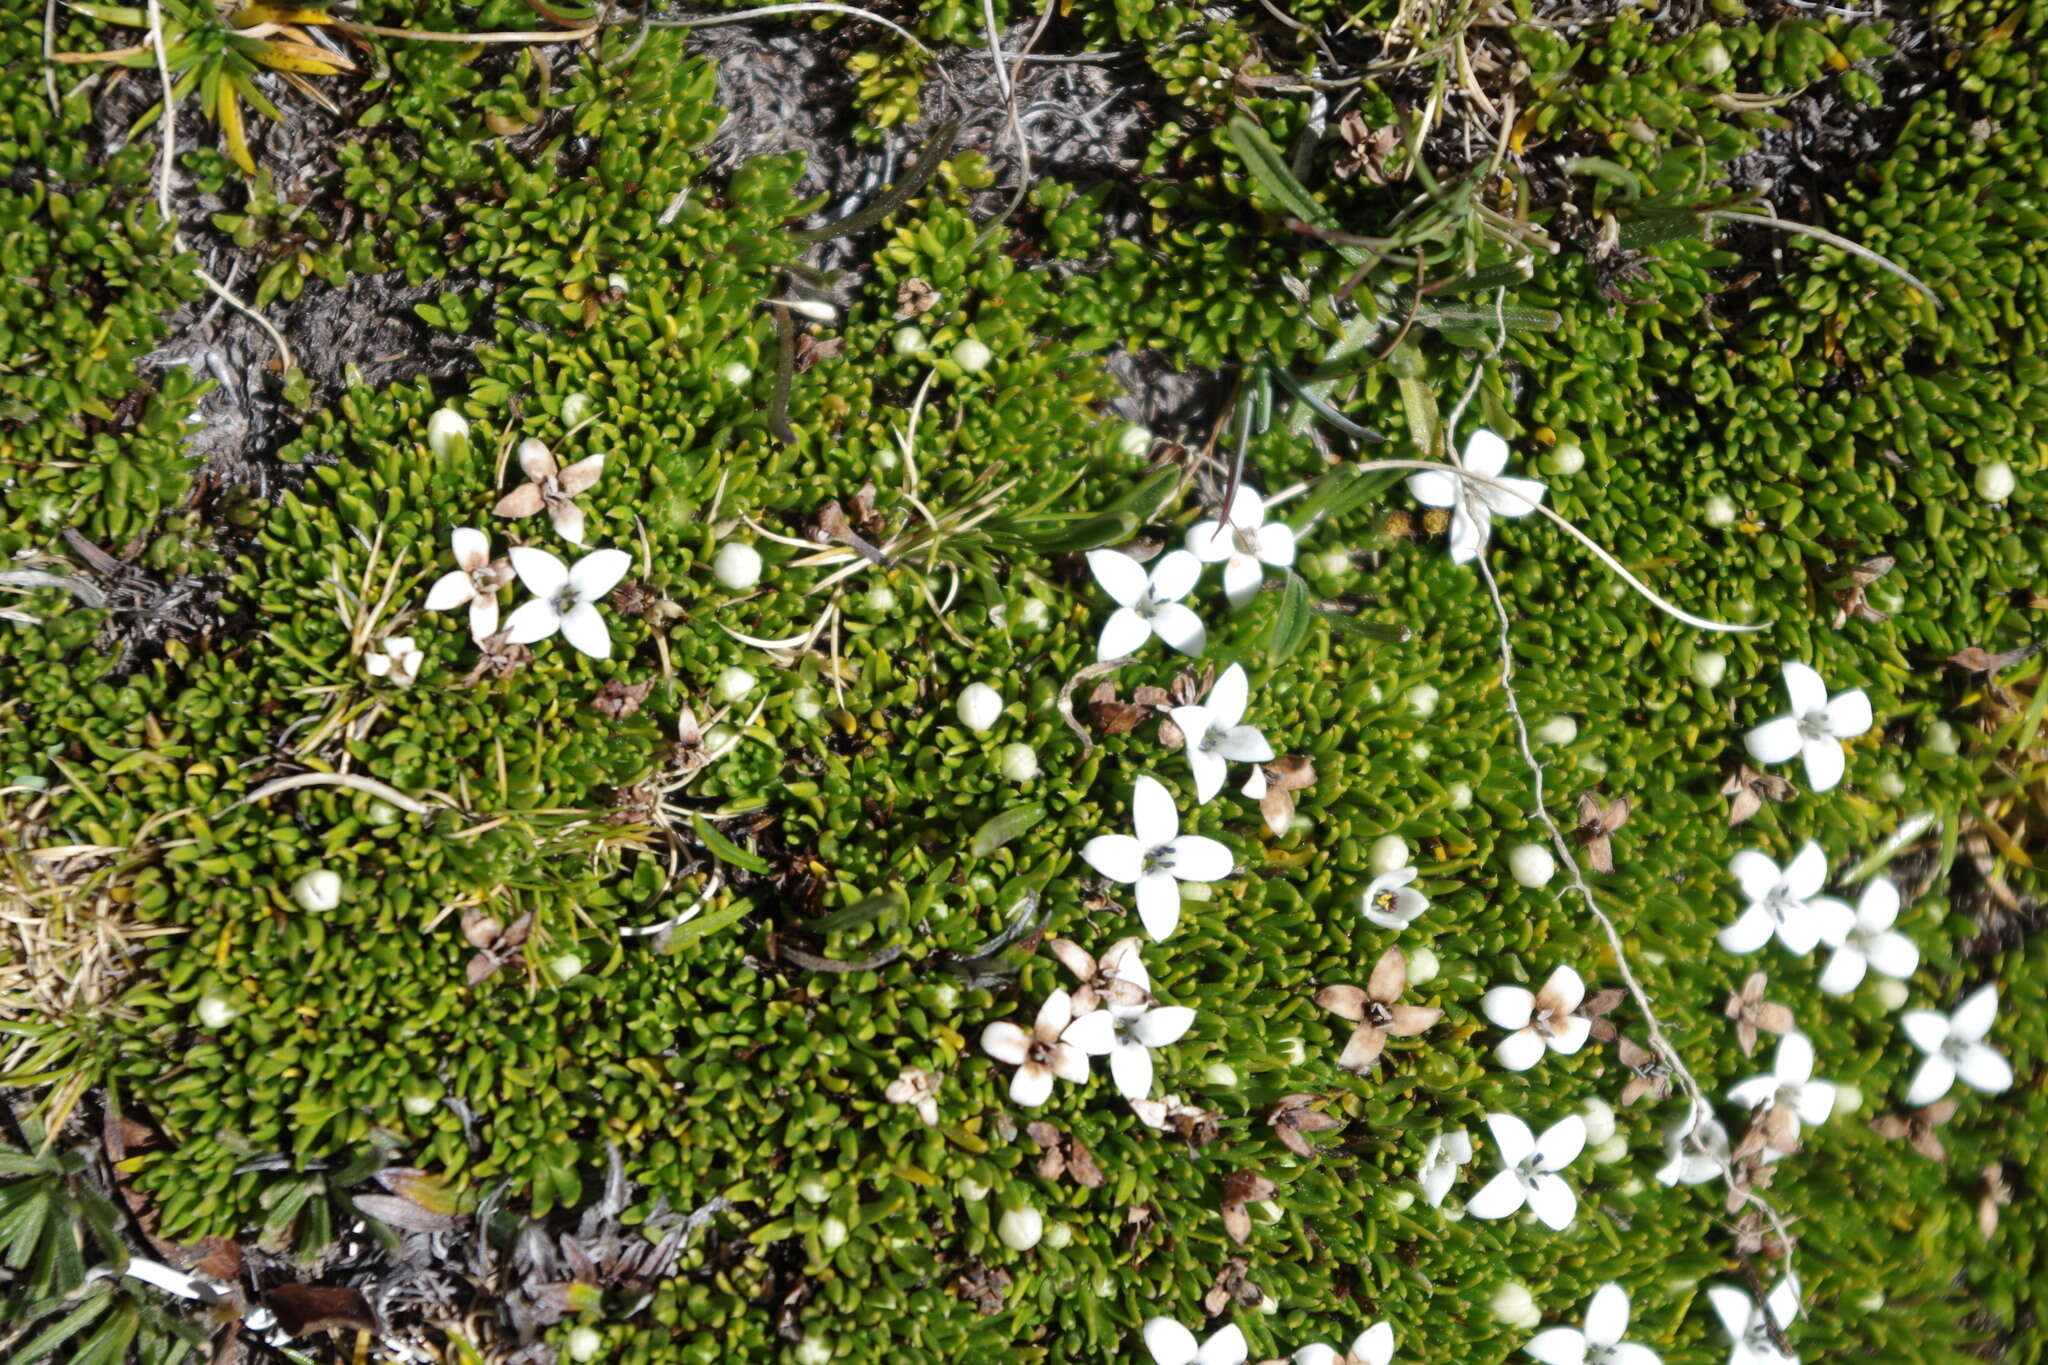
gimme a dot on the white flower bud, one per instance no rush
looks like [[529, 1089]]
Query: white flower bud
[[971, 356], [1423, 965], [420, 1103], [812, 1190], [577, 409], [1134, 442], [1599, 1115], [1848, 1097], [970, 1189], [1334, 563], [1891, 994], [735, 372], [1295, 1051], [1531, 864], [1389, 854], [1057, 1236], [908, 341], [1873, 1302], [813, 1350], [1558, 730], [1941, 739], [1721, 511], [1613, 1150], [1709, 666], [617, 283], [215, 1012], [1995, 482], [1514, 1306], [1020, 1229], [1019, 762], [832, 1234], [448, 434], [719, 738], [317, 891], [382, 813], [736, 566], [1400, 1201], [567, 967], [881, 599], [807, 704], [1461, 795], [1220, 1075], [1713, 59], [1419, 749], [732, 684], [1033, 615], [1422, 699], [980, 707], [583, 1344], [946, 997], [1565, 460], [1269, 1304]]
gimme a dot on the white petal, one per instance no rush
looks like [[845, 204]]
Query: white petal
[[1244, 744], [1211, 542], [1123, 634], [1630, 1353], [1749, 933], [541, 572], [1756, 874], [1511, 1138], [1805, 689], [1094, 1033], [1553, 1202], [1607, 1315], [1807, 873], [1170, 1343], [1317, 1353], [1893, 955], [1848, 714], [1783, 1301], [1247, 509], [1159, 904], [1844, 971], [1122, 577], [1006, 1042], [1815, 1102], [1935, 1078], [1567, 987], [377, 665], [1571, 1035], [1485, 453], [1178, 625], [1520, 1050], [1276, 544], [1197, 858], [1927, 1028], [1799, 930], [1775, 741], [1437, 1181], [1514, 497], [1070, 1064], [450, 590], [567, 519], [1973, 1018], [1242, 576], [1753, 1092], [472, 547], [1734, 1307], [1558, 1346], [1164, 1026], [1175, 576], [1508, 1006], [1825, 762], [1498, 1197], [1793, 1064], [1433, 488], [1055, 1012], [1375, 1345], [1878, 906], [598, 572], [1130, 1066], [1562, 1142], [534, 621], [1983, 1069], [535, 460], [1470, 526], [483, 617], [1031, 1086], [1228, 698], [163, 1277], [1209, 771], [1153, 816], [1118, 857], [583, 627], [1455, 1146], [1227, 1347]]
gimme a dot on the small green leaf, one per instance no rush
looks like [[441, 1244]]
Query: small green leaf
[[1001, 829], [1291, 622], [726, 849]]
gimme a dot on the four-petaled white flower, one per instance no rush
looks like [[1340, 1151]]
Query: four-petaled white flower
[[1541, 1020], [1786, 902], [1390, 902], [1748, 1328], [1447, 1153], [919, 1089], [1698, 1150], [1127, 1038], [1172, 1344], [1955, 1046], [1159, 858], [1373, 1346], [1815, 729], [395, 657], [1148, 604], [1214, 739], [1039, 1055], [1789, 1096], [1529, 1170], [1599, 1343], [551, 488], [474, 581], [565, 598], [1243, 542], [1871, 943], [1117, 980], [1474, 505]]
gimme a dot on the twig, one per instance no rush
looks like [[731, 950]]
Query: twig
[[810, 7], [1066, 701], [1840, 243], [369, 786]]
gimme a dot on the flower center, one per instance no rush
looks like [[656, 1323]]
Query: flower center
[[1159, 859], [1247, 542], [1813, 725], [1377, 1014], [567, 600], [1384, 902]]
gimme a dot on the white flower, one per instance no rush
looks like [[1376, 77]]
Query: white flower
[[1373, 1346], [1474, 506], [565, 598], [1148, 604], [551, 489], [1158, 859], [1214, 739], [1390, 902], [1019, 1229], [396, 657], [1544, 1019], [1814, 730], [1116, 981], [1529, 1167], [1243, 542], [1955, 1046], [474, 582], [1600, 1342], [317, 891], [1440, 1163], [1698, 1148], [1871, 942], [1789, 1096], [1785, 902], [447, 433], [1748, 1328], [1039, 1055], [1127, 1035], [919, 1089], [1172, 1344]]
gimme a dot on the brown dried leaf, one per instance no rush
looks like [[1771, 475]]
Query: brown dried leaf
[[915, 296], [1976, 659], [617, 700], [303, 1308], [1749, 789]]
